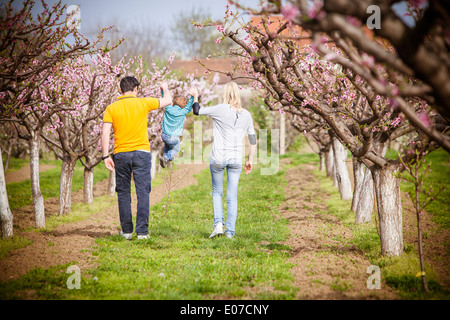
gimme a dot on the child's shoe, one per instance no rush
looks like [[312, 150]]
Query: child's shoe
[[163, 162]]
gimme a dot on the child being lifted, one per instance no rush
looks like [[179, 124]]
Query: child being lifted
[[173, 123]]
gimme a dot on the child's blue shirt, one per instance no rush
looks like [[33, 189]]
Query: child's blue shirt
[[174, 116]]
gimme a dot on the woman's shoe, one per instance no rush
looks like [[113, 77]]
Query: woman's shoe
[[218, 231]]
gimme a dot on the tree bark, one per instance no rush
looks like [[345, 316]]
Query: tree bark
[[154, 164], [322, 161], [65, 185], [387, 190], [358, 178], [419, 231], [364, 208], [112, 184], [88, 189], [38, 199], [6, 217], [8, 156], [341, 171], [329, 162]]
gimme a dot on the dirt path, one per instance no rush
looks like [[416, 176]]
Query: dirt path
[[23, 173], [68, 242], [327, 264]]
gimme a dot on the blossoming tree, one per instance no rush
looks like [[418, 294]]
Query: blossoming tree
[[32, 51], [328, 79]]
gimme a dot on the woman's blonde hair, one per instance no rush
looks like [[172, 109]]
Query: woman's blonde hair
[[232, 96]]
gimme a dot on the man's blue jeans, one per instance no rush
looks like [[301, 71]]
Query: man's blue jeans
[[138, 164], [171, 146], [233, 174]]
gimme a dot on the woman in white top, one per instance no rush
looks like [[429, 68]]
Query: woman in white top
[[230, 124]]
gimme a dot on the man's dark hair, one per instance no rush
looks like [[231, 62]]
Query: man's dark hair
[[128, 84]]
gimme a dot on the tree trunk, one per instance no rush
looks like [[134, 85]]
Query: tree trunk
[[387, 191], [364, 208], [8, 157], [419, 231], [88, 189], [322, 161], [283, 134], [154, 164], [329, 161], [112, 184], [358, 178], [341, 171], [65, 185], [38, 199], [6, 217]]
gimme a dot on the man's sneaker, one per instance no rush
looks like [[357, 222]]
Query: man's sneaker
[[228, 235], [143, 237], [218, 231], [127, 236], [163, 162]]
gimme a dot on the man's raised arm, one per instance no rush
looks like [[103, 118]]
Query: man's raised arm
[[166, 97]]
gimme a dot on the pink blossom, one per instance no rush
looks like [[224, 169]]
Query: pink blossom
[[315, 11], [354, 21], [418, 3], [330, 56], [368, 60], [423, 117], [289, 11], [218, 40], [395, 91], [172, 56], [220, 28]]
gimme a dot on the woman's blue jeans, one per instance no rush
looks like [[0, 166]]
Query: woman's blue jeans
[[171, 146], [233, 174]]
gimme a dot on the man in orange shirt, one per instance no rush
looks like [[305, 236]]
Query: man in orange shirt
[[128, 116]]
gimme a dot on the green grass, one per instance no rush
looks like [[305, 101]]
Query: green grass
[[397, 272], [438, 178], [14, 243], [179, 261], [15, 163], [81, 211], [19, 193]]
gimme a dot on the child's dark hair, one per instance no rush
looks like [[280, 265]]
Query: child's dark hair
[[180, 101]]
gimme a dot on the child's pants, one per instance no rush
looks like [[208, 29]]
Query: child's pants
[[171, 146]]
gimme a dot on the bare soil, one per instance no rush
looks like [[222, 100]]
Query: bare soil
[[23, 173], [327, 264], [70, 242]]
